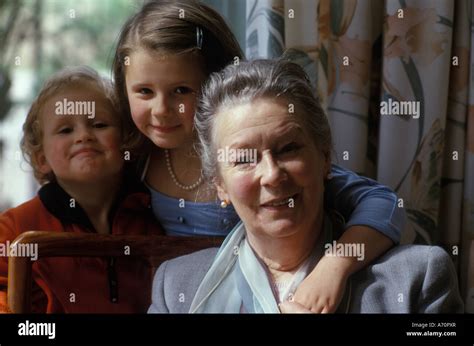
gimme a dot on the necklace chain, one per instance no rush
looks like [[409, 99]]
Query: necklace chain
[[175, 179]]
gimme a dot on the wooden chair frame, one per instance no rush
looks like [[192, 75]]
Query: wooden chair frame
[[156, 249]]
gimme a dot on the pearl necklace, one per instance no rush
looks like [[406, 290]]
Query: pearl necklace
[[173, 176]]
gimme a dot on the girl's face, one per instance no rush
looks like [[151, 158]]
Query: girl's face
[[162, 95]]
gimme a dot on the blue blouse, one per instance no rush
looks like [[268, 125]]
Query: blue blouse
[[180, 217], [360, 200]]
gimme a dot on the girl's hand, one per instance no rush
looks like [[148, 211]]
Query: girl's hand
[[323, 289], [288, 307]]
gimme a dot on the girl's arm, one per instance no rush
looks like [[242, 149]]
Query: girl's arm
[[374, 222], [365, 202]]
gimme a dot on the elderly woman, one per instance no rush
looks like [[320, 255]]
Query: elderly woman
[[267, 142]]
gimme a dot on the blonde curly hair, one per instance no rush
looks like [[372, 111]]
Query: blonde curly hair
[[31, 142]]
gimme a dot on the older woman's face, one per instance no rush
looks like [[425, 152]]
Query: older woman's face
[[282, 192]]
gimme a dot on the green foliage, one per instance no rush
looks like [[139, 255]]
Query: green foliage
[[85, 32], [51, 34], [9, 12], [5, 102]]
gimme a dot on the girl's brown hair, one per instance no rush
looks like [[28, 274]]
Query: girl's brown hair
[[171, 27]]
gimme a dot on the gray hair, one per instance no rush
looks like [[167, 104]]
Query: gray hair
[[248, 81]]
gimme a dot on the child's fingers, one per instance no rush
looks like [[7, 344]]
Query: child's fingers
[[320, 306], [329, 308], [314, 306], [293, 308], [317, 308], [323, 308]]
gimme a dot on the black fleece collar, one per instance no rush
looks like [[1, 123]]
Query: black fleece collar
[[63, 206]]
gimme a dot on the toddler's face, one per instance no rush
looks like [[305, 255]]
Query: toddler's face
[[80, 146], [162, 95]]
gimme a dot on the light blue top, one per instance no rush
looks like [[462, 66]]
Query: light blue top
[[180, 217], [360, 200]]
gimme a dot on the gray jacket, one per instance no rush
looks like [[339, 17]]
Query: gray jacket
[[407, 279]]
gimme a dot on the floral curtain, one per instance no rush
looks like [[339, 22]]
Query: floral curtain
[[395, 79]]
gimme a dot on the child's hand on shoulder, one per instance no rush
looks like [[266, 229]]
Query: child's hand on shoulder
[[288, 307], [323, 288]]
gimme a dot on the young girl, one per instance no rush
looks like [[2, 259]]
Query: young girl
[[164, 54]]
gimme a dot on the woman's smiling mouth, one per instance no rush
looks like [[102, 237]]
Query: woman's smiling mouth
[[281, 203]]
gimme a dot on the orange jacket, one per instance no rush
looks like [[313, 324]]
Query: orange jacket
[[82, 284]]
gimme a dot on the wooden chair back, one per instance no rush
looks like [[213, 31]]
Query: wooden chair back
[[156, 249]]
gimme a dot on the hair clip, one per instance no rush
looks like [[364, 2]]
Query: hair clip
[[199, 37]]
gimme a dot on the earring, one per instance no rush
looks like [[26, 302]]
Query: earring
[[329, 176], [224, 203]]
